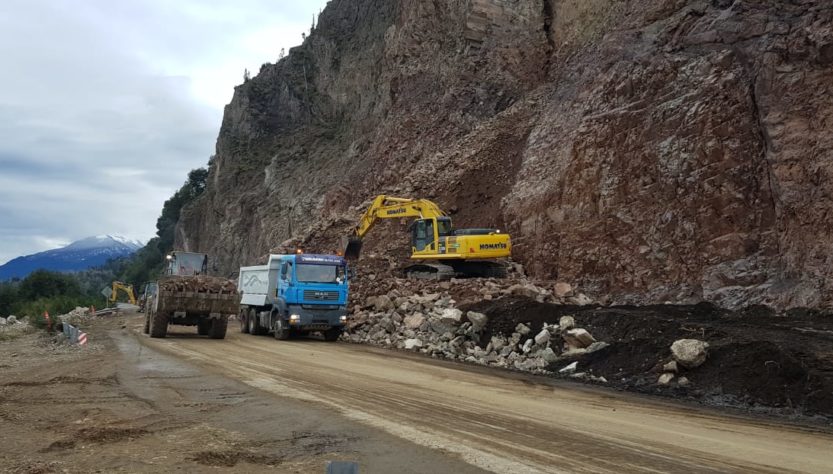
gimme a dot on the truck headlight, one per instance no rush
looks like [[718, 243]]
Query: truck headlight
[[294, 319], [343, 319]]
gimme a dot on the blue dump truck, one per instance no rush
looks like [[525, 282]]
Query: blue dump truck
[[294, 295]]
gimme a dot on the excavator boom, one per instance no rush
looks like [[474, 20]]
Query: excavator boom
[[387, 207]]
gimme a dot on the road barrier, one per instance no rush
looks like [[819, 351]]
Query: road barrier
[[75, 335]]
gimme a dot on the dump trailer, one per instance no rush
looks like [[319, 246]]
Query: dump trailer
[[294, 295], [187, 296]]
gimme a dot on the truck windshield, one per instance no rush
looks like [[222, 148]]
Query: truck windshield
[[319, 273]]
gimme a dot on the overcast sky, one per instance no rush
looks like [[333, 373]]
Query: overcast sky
[[106, 105]]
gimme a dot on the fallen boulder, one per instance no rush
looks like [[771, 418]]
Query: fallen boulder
[[665, 378], [12, 319], [414, 321], [578, 338], [478, 320], [562, 289], [690, 353], [382, 303], [567, 322], [569, 369], [542, 337], [411, 344]]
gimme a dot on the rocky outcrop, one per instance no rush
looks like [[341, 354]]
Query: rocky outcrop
[[646, 151]]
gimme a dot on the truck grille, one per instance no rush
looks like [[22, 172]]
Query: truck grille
[[314, 295]]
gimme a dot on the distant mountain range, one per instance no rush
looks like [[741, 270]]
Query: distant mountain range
[[79, 255]]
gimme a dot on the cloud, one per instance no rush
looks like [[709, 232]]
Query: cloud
[[105, 106]]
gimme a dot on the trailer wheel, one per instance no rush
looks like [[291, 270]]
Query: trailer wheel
[[254, 325], [203, 327], [281, 331], [332, 334], [218, 327], [159, 324], [244, 322]]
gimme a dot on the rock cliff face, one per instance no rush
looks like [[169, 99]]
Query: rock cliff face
[[647, 150]]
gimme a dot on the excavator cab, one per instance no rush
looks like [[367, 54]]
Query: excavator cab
[[425, 233]]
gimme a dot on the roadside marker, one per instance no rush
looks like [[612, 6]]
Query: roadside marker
[[82, 338], [48, 321]]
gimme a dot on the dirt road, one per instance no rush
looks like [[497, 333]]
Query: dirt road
[[506, 423]]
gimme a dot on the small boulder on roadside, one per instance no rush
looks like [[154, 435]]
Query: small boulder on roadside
[[670, 367], [478, 320], [411, 344], [451, 316], [580, 299], [414, 321], [383, 303], [665, 378], [578, 337], [566, 322], [522, 329], [548, 355], [542, 337], [2, 321], [690, 353], [683, 382], [569, 369], [12, 319], [562, 289]]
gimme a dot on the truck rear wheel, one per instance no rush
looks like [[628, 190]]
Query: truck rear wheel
[[218, 327], [254, 325], [244, 322], [332, 334], [203, 327], [146, 329], [159, 324], [281, 331]]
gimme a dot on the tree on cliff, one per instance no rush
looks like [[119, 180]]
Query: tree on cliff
[[147, 262]]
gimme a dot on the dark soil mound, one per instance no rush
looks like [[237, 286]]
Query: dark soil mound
[[757, 358]]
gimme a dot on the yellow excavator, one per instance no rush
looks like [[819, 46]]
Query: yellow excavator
[[124, 287], [457, 252]]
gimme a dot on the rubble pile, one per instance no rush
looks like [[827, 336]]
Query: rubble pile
[[11, 326], [426, 316]]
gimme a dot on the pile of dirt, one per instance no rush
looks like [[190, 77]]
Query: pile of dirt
[[757, 359]]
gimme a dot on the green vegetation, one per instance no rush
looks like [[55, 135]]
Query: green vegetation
[[59, 293], [41, 291]]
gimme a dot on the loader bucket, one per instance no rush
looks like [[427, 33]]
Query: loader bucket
[[351, 247]]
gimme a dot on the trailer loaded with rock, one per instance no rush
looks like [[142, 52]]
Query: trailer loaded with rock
[[187, 296]]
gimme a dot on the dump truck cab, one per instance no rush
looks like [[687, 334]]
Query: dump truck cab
[[294, 295]]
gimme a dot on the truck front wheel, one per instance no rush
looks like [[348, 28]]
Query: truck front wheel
[[203, 327], [159, 324], [218, 327], [281, 329]]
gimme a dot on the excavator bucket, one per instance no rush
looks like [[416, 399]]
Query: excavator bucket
[[351, 247]]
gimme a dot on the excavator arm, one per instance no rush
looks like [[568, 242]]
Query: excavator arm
[[127, 289], [387, 207]]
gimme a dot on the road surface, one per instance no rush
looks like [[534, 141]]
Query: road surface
[[504, 422]]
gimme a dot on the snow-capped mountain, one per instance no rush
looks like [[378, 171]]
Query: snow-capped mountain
[[79, 255]]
